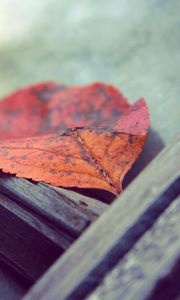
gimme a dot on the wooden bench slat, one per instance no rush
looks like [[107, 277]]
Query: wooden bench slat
[[24, 248], [154, 258], [57, 236], [45, 202], [83, 203], [27, 209]]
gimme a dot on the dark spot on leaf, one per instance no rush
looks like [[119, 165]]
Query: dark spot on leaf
[[23, 157], [52, 171], [13, 157]]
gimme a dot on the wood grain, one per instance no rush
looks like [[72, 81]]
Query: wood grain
[[57, 236], [24, 248], [39, 221], [84, 203], [46, 203], [149, 266]]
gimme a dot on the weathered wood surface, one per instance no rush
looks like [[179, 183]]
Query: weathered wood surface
[[45, 202], [54, 234], [82, 202], [24, 248], [38, 223], [139, 275], [96, 252]]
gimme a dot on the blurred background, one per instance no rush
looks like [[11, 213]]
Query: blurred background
[[133, 44]]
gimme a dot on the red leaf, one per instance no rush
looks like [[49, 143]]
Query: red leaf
[[71, 136]]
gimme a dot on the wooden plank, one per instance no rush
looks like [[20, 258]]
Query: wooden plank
[[83, 203], [152, 263], [45, 202], [57, 236], [48, 234], [23, 248], [82, 267]]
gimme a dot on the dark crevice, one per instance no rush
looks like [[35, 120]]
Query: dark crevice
[[168, 287]]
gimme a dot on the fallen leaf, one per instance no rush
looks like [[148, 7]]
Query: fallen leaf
[[87, 137]]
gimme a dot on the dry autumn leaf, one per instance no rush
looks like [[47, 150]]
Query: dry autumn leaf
[[86, 137]]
